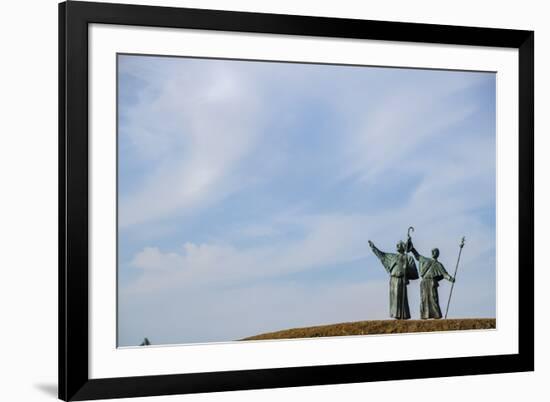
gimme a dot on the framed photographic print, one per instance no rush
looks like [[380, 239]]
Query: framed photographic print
[[257, 200]]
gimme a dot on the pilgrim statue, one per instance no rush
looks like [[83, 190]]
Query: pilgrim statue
[[431, 272], [401, 268]]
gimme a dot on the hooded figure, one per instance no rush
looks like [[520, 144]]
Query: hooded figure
[[431, 272], [401, 268]]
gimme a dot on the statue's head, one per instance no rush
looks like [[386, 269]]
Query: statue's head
[[401, 247], [435, 253]]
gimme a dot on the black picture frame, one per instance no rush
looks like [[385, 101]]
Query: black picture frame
[[74, 381]]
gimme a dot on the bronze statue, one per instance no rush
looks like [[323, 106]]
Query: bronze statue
[[402, 269], [431, 272]]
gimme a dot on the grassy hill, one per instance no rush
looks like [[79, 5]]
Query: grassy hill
[[379, 327]]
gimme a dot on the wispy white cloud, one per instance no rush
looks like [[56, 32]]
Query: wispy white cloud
[[326, 240], [400, 124], [199, 128]]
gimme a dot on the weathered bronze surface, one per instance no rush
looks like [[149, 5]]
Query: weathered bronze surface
[[431, 272], [401, 269]]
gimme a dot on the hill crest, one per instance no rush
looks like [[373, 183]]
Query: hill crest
[[378, 327]]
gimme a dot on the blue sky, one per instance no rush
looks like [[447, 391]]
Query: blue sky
[[248, 192]]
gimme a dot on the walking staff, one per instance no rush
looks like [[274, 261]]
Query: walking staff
[[454, 276], [408, 246]]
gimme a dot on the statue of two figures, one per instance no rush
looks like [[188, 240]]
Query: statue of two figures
[[402, 268]]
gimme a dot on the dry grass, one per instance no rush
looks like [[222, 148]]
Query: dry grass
[[379, 327]]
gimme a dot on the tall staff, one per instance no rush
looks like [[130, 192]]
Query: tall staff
[[456, 269], [404, 284]]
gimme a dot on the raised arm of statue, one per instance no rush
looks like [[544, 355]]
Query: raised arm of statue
[[378, 253], [383, 257]]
